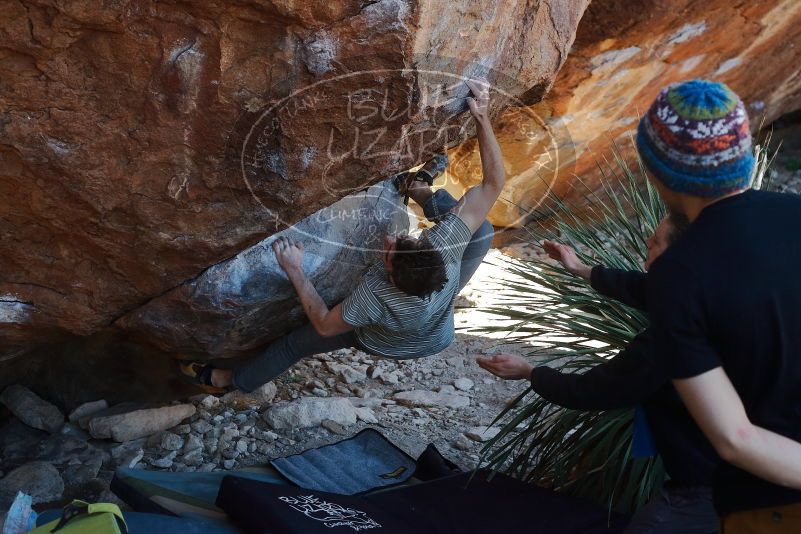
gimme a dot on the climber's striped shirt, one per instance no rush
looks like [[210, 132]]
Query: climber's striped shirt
[[396, 325]]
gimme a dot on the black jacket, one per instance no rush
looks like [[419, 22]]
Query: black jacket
[[635, 376]]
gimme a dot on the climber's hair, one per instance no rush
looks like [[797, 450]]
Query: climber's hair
[[417, 268]]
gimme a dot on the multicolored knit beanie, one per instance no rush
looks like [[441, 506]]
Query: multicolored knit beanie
[[696, 139]]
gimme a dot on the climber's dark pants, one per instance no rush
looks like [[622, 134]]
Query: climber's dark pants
[[305, 341]]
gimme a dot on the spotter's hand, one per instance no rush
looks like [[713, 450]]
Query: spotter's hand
[[567, 257], [506, 366]]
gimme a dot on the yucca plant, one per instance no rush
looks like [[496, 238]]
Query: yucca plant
[[571, 327]]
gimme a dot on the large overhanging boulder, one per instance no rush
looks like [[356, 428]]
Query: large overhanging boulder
[[624, 53], [144, 143], [241, 303]]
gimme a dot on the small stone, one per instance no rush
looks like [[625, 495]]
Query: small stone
[[456, 361], [209, 402], [309, 412], [261, 396], [391, 378], [87, 409], [446, 388], [334, 427], [461, 443], [229, 433], [366, 415], [182, 429], [482, 433], [171, 442], [207, 468], [132, 459], [31, 409], [319, 392], [269, 436], [79, 474], [431, 399], [352, 376], [229, 464], [231, 454], [193, 442], [201, 426], [193, 458], [165, 462], [371, 402], [463, 384], [210, 445], [138, 423], [242, 446], [123, 448], [40, 480]]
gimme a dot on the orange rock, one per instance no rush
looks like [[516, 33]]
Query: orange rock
[[142, 142], [624, 53]]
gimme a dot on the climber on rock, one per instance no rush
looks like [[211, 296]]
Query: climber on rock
[[403, 305]]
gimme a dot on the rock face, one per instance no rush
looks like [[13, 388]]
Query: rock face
[[310, 411], [40, 480], [241, 303], [441, 399], [143, 143], [138, 423], [624, 53], [87, 409], [31, 409]]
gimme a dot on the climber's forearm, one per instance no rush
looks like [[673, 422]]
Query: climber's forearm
[[310, 299], [491, 158], [325, 321], [478, 200]]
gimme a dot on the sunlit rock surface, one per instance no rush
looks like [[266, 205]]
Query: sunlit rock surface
[[624, 53], [143, 143]]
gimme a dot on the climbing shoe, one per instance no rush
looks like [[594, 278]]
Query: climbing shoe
[[199, 374], [432, 168], [426, 174]]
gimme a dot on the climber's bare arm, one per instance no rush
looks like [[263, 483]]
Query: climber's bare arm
[[326, 322], [476, 203]]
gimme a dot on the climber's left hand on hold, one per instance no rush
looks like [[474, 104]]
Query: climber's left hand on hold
[[289, 253]]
